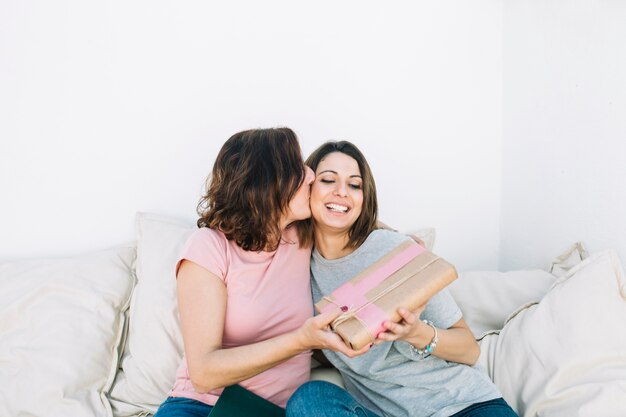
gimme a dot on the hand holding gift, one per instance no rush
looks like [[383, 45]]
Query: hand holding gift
[[407, 277], [410, 328], [317, 334]]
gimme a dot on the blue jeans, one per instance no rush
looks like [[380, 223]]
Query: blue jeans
[[492, 408], [323, 399], [183, 407]]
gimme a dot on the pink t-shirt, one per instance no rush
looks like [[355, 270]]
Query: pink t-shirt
[[269, 294]]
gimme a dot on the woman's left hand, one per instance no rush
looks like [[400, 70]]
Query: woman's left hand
[[456, 343], [410, 328]]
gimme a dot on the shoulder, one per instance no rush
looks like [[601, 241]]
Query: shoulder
[[383, 240], [207, 237], [377, 244], [207, 248]]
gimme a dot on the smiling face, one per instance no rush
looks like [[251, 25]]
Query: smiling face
[[337, 193]]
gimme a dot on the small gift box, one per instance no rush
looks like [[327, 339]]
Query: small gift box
[[408, 276]]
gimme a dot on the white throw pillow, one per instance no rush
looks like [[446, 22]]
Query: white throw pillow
[[561, 265], [61, 322], [487, 298], [566, 355], [154, 346]]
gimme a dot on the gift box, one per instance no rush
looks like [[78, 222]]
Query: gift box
[[408, 276]]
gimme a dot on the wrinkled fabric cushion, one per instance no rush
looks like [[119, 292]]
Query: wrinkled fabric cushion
[[155, 345], [61, 322], [563, 263], [327, 374], [566, 355], [487, 298]]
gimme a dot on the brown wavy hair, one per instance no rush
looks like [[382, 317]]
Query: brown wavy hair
[[255, 175], [366, 223]]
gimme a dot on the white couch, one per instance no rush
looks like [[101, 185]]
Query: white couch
[[97, 335]]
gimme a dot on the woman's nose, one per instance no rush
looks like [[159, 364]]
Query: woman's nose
[[341, 190]]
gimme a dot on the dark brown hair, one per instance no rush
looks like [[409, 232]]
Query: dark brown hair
[[366, 222], [255, 175]]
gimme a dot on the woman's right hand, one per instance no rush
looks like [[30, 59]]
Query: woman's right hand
[[316, 333]]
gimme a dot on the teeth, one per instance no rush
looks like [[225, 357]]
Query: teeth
[[337, 207]]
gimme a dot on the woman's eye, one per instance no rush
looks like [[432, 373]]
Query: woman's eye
[[355, 186], [326, 181]]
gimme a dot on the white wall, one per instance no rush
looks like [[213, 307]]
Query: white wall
[[109, 108], [564, 129]]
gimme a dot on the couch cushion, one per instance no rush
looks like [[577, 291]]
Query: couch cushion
[[154, 345], [566, 355], [61, 322], [487, 298], [563, 263]]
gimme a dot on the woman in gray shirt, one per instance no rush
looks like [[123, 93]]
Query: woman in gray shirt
[[422, 366]]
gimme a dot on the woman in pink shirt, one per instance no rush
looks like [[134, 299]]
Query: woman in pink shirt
[[243, 286]]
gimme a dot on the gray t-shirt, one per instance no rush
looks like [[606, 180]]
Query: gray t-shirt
[[389, 379]]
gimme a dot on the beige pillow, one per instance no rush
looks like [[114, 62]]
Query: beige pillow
[[154, 346], [327, 374], [61, 322], [566, 355], [561, 265], [487, 298]]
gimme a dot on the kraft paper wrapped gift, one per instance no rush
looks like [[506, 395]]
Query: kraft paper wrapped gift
[[408, 276]]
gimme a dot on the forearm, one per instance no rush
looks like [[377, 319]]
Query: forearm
[[223, 367], [216, 368], [456, 344]]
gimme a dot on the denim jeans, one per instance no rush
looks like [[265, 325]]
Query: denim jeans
[[492, 408], [183, 407], [323, 399]]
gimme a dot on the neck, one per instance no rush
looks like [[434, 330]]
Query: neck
[[332, 245]]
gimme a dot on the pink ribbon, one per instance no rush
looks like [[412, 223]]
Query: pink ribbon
[[351, 296]]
